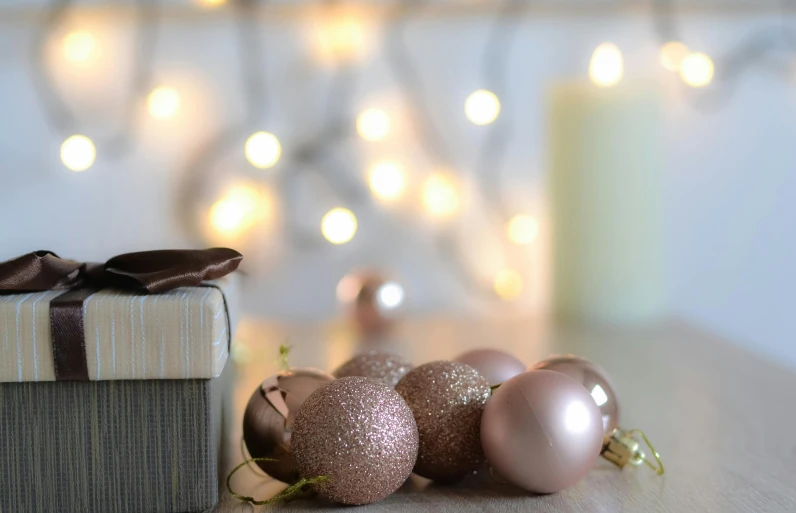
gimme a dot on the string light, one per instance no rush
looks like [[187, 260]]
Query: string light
[[78, 47], [342, 36], [386, 180], [522, 229], [78, 153], [212, 3], [163, 102], [482, 107], [697, 69], [440, 196], [390, 295], [508, 284], [238, 211], [373, 124], [339, 225], [263, 150], [606, 67], [672, 55]]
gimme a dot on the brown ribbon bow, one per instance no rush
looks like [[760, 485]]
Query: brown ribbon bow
[[145, 271]]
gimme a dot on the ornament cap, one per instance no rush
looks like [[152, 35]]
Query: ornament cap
[[622, 448]]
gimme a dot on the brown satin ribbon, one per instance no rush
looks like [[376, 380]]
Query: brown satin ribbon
[[146, 271]]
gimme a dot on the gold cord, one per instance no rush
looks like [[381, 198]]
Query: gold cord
[[288, 493]]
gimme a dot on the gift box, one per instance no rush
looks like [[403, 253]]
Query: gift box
[[112, 379]]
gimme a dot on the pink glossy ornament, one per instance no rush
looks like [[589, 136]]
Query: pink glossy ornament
[[541, 431], [594, 379], [495, 365]]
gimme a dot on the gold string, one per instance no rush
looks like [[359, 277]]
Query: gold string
[[286, 494], [284, 351], [657, 468]]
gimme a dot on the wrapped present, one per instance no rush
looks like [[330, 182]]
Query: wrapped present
[[111, 380]]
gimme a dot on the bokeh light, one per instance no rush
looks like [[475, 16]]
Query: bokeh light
[[482, 107], [440, 196], [78, 153], [79, 47], [211, 3], [672, 54], [373, 124], [522, 229], [163, 102], [238, 211], [390, 295], [263, 150], [508, 284], [386, 180], [606, 67], [339, 225], [342, 35], [697, 69]]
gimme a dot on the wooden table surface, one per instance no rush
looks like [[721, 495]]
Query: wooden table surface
[[723, 420]]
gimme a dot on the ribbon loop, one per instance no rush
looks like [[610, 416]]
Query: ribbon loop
[[38, 271]]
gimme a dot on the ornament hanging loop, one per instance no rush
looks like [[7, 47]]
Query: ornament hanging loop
[[622, 448]]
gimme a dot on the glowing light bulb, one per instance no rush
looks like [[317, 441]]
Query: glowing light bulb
[[482, 107], [339, 225], [78, 153], [697, 70], [672, 55], [79, 47], [163, 102], [390, 295], [263, 150], [440, 196], [238, 211], [522, 229], [373, 124], [606, 67], [387, 180], [508, 284]]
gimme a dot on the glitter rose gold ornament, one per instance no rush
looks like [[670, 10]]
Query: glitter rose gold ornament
[[387, 367], [361, 435], [495, 365], [541, 431], [447, 399], [594, 379], [270, 413]]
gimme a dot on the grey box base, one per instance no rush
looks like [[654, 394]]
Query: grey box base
[[110, 446]]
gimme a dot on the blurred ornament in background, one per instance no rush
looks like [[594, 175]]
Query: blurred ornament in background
[[697, 69], [447, 400], [339, 225], [373, 301], [672, 55], [482, 107], [596, 381], [386, 367], [495, 365], [268, 419], [606, 66], [361, 435], [263, 150], [541, 431], [78, 153]]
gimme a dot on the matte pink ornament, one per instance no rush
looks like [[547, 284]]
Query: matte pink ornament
[[594, 379], [495, 365], [541, 431]]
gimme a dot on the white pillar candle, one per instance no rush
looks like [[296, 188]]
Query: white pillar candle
[[605, 169]]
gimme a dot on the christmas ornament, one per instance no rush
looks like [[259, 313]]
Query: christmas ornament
[[386, 367], [360, 435], [495, 365], [268, 419], [541, 431], [447, 399], [373, 300], [594, 379]]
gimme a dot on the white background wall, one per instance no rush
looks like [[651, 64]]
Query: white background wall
[[730, 173]]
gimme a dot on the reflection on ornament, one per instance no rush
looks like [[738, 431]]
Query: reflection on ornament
[[359, 433], [373, 301], [541, 431], [482, 107], [269, 416], [606, 66], [594, 379], [78, 153]]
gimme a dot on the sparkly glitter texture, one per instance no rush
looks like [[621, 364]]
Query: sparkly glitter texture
[[360, 433], [386, 367], [447, 399]]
